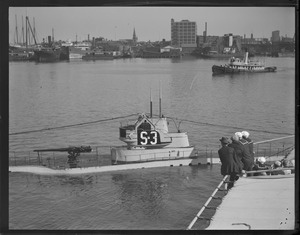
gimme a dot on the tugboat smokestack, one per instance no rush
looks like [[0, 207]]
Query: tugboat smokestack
[[246, 58]]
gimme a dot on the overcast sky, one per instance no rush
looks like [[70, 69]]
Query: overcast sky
[[150, 23]]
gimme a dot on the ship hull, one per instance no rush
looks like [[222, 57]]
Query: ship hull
[[78, 52], [42, 170], [21, 57], [98, 57], [216, 69], [47, 55], [121, 155], [75, 56]]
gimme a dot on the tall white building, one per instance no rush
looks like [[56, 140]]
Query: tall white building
[[183, 33]]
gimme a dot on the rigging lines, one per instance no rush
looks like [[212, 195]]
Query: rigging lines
[[115, 118]]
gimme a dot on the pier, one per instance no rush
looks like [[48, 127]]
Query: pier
[[259, 202]]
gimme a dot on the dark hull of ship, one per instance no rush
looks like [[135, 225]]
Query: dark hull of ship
[[98, 57], [47, 56], [216, 69], [51, 55], [21, 57]]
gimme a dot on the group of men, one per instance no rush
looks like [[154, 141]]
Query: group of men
[[236, 156]]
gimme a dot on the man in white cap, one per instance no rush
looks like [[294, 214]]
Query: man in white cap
[[238, 148], [245, 135], [247, 158], [239, 135], [260, 165]]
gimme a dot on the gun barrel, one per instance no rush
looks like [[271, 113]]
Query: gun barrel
[[81, 149]]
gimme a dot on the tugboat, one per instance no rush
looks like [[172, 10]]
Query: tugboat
[[237, 65]]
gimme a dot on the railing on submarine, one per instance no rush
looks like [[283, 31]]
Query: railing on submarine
[[73, 151], [100, 155]]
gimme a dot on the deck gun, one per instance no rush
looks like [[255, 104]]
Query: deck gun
[[73, 152]]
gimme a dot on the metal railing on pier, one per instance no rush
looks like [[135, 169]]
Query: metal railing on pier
[[205, 206]]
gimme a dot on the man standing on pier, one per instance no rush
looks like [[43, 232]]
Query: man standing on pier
[[229, 161]]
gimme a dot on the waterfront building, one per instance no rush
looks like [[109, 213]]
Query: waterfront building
[[287, 39], [208, 41], [254, 41], [275, 36], [184, 34], [229, 43]]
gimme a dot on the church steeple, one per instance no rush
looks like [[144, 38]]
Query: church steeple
[[134, 38]]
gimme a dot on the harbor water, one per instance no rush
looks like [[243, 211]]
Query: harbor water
[[63, 94]]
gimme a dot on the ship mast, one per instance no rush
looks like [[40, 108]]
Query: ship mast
[[26, 33], [34, 35], [150, 104], [17, 30], [27, 20], [23, 30]]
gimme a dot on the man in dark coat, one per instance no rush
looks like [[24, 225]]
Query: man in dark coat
[[245, 135], [247, 158], [229, 162], [239, 149]]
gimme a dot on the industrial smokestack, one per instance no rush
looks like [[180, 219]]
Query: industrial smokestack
[[205, 32], [230, 40]]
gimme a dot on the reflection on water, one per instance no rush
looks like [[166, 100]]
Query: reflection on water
[[161, 198], [148, 196]]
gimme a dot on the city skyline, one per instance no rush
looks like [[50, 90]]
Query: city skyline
[[150, 23]]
